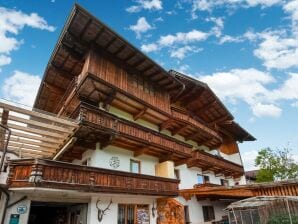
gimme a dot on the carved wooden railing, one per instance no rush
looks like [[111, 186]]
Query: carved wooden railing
[[60, 175], [118, 126], [219, 165]]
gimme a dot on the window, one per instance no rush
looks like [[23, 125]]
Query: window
[[135, 166], [224, 182], [208, 213], [177, 174], [203, 179], [131, 214]]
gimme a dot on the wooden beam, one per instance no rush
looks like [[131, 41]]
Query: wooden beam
[[165, 124], [110, 43], [54, 89], [109, 140], [141, 151], [37, 131], [109, 99], [180, 129], [34, 137], [140, 113], [38, 115], [219, 120], [205, 107], [39, 124], [166, 157], [193, 136], [130, 56], [27, 150], [147, 68], [139, 62], [120, 49], [36, 143], [31, 147]]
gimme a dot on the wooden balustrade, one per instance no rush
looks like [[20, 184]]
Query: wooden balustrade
[[60, 175], [134, 132], [217, 164]]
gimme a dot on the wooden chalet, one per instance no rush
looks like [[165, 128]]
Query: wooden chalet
[[109, 122]]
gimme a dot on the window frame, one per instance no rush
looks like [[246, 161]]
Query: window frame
[[137, 162]]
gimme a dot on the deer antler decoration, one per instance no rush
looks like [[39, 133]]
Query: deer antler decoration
[[101, 212]]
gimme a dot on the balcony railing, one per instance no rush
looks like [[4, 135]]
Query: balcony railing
[[60, 175], [217, 164], [111, 124]]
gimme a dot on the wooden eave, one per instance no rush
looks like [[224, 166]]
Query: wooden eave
[[204, 105], [219, 165], [81, 32], [282, 188]]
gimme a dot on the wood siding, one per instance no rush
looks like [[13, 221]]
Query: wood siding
[[58, 175], [146, 136], [133, 84], [214, 163]]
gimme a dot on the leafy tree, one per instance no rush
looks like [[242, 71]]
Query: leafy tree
[[275, 165]]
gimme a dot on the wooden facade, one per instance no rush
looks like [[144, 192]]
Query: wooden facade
[[59, 175], [283, 188], [93, 69], [218, 165]]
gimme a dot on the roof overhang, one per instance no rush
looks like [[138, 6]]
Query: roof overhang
[[83, 32]]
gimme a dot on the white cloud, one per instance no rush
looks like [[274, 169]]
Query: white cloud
[[11, 22], [4, 60], [21, 87], [209, 5], [142, 26], [230, 39], [246, 85], [181, 52], [291, 8], [266, 110], [180, 37], [149, 47], [277, 51], [145, 4], [177, 43], [219, 25]]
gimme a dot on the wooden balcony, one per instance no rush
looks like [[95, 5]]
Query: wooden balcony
[[217, 164], [59, 175], [100, 126]]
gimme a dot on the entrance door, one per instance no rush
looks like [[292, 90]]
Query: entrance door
[[57, 213]]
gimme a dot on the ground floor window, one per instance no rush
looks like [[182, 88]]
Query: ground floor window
[[133, 214], [208, 213]]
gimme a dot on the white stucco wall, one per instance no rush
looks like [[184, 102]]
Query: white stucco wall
[[196, 210], [13, 210], [112, 214], [101, 158]]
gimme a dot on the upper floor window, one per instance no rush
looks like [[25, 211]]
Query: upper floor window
[[202, 179], [208, 213], [177, 174], [224, 182], [135, 166]]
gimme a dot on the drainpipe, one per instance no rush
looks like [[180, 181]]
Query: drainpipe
[[6, 203], [1, 166], [5, 147]]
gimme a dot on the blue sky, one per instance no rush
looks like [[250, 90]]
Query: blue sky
[[246, 50]]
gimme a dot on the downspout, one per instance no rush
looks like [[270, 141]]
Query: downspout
[[1, 166], [5, 147], [6, 203]]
